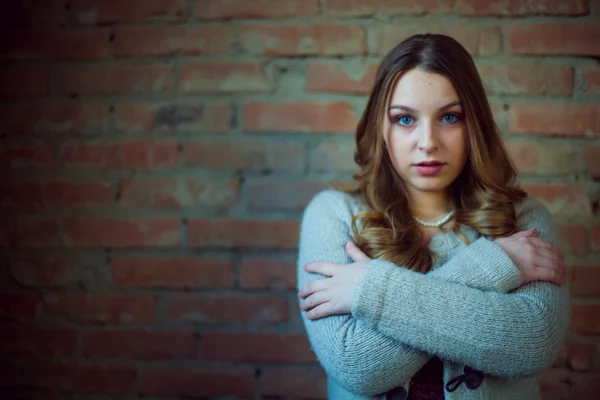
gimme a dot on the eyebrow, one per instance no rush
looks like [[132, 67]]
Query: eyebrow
[[409, 109]]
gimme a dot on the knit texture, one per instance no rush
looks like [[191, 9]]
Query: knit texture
[[471, 309]]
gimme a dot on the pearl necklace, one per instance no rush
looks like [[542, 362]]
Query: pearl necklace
[[437, 223]]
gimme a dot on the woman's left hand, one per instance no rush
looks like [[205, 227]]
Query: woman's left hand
[[335, 294]]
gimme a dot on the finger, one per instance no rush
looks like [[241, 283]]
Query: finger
[[546, 267], [547, 249], [323, 268], [323, 310], [355, 253], [548, 275], [313, 287], [547, 252], [314, 300], [544, 244], [528, 233]]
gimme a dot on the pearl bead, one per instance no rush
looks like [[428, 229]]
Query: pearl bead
[[437, 223]]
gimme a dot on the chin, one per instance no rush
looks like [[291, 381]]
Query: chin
[[431, 185]]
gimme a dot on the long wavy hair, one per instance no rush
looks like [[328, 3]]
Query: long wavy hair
[[484, 193]]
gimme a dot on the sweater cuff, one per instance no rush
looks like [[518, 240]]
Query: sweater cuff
[[495, 265]]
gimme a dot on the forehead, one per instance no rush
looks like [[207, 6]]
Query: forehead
[[419, 89]]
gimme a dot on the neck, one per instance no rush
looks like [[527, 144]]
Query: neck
[[430, 205]]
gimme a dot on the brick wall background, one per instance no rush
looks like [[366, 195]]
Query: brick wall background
[[157, 154]]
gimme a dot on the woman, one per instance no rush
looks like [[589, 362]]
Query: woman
[[436, 277]]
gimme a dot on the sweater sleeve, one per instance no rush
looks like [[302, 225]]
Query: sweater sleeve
[[513, 334], [356, 355]]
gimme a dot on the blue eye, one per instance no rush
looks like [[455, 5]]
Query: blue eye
[[450, 118], [404, 120]]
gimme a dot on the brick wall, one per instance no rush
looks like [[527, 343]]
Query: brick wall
[[156, 156]]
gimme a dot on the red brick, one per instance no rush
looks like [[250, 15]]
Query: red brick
[[197, 382], [596, 237], [585, 280], [56, 44], [240, 233], [19, 340], [591, 157], [504, 8], [517, 79], [42, 270], [581, 355], [225, 77], [179, 193], [246, 155], [24, 82], [299, 117], [131, 11], [139, 344], [543, 158], [102, 307], [57, 116], [369, 8], [257, 347], [106, 379], [30, 13], [575, 239], [570, 120], [112, 232], [172, 117], [18, 119], [477, 40], [266, 273], [71, 117], [562, 198], [230, 9], [334, 156], [306, 384], [33, 154], [591, 80], [170, 41], [172, 272], [231, 309], [551, 38], [21, 196], [296, 40], [114, 79], [35, 196], [29, 232], [349, 77], [61, 194], [271, 194], [15, 304], [585, 319], [137, 155]]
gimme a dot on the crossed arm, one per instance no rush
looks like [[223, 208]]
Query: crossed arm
[[461, 311]]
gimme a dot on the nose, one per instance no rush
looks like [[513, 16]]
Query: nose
[[427, 138]]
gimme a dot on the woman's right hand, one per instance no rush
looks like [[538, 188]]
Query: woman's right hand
[[536, 259]]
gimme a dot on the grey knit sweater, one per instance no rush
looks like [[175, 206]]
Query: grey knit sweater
[[472, 309]]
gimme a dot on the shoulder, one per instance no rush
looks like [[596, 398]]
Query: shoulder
[[333, 203], [532, 213], [532, 208]]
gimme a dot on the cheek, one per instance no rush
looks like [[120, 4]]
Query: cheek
[[460, 146], [398, 149]]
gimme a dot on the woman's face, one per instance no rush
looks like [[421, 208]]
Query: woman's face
[[425, 132]]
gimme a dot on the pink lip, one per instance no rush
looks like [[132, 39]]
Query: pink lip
[[429, 168]]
